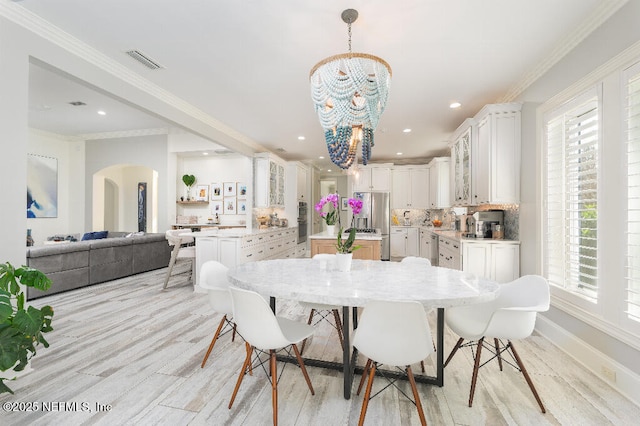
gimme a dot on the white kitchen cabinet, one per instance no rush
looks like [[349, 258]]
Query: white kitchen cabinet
[[461, 164], [429, 246], [449, 255], [405, 241], [269, 181], [372, 178], [495, 260], [438, 183], [297, 189], [410, 187], [495, 155]]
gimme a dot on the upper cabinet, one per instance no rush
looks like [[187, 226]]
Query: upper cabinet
[[485, 157], [495, 155], [375, 177], [461, 164], [410, 187], [269, 179], [439, 183]]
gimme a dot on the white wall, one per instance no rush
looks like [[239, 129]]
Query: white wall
[[614, 36], [147, 151], [71, 185]]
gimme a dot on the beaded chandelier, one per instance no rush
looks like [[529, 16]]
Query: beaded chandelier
[[349, 92]]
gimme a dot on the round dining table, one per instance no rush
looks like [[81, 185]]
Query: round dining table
[[318, 281]]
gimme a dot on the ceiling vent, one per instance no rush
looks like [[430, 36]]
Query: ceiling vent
[[77, 103], [144, 59], [223, 151]]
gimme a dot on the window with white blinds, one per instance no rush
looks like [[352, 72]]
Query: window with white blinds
[[632, 78], [571, 189]]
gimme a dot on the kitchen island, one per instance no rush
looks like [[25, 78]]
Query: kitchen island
[[370, 244]]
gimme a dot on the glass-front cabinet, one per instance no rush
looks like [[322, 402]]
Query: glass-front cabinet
[[461, 164]]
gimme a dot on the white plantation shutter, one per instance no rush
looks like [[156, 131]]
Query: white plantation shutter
[[571, 196], [633, 194]]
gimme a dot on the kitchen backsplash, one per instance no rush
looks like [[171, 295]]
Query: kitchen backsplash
[[419, 217]]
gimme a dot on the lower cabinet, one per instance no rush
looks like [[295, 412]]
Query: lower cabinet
[[369, 249], [449, 253], [499, 261], [405, 241]]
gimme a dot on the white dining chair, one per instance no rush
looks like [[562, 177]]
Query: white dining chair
[[266, 333], [324, 311], [418, 261], [511, 316], [415, 260], [183, 248], [213, 279], [395, 334]]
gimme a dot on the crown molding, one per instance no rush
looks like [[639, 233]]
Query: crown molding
[[34, 23], [603, 12]]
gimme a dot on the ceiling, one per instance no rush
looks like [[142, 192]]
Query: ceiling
[[246, 63]]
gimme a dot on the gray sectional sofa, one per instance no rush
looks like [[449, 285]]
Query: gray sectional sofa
[[79, 264]]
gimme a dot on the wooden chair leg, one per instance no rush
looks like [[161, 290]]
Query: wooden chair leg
[[274, 386], [476, 367], [422, 366], [303, 368], [416, 396], [233, 335], [213, 341], [496, 343], [367, 394], [336, 317], [304, 342], [526, 376], [364, 375], [247, 362], [453, 351], [172, 262]]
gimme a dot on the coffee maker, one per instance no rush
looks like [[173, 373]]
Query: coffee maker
[[481, 223]]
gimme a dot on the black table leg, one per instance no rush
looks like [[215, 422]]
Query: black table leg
[[440, 348], [346, 353]]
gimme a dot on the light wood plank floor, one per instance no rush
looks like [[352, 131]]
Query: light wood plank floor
[[130, 345]]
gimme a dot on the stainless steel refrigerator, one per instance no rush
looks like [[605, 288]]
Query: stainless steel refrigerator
[[376, 212]]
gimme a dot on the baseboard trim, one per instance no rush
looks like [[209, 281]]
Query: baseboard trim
[[626, 381]]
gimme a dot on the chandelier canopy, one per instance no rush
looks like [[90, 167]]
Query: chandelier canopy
[[349, 92]]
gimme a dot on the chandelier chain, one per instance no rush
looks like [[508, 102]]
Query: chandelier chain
[[349, 26]]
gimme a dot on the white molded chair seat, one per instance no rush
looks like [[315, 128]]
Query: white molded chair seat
[[181, 250], [324, 310], [414, 260], [395, 334], [265, 332], [511, 316], [213, 278]]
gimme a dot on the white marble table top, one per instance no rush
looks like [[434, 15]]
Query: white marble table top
[[312, 280]]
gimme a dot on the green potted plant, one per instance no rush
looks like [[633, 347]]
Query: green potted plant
[[21, 327], [189, 180]]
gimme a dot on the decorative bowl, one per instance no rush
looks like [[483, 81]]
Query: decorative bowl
[[437, 223]]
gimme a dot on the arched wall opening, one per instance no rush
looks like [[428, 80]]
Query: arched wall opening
[[116, 198]]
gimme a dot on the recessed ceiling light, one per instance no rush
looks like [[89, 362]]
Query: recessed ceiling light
[[321, 157], [398, 153], [407, 130], [301, 138], [102, 112], [328, 170], [205, 153], [455, 105]]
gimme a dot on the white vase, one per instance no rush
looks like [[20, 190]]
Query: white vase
[[331, 230], [343, 261]]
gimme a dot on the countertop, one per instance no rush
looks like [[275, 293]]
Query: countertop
[[237, 232], [457, 235], [359, 236]]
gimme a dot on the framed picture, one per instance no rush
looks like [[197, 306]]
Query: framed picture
[[230, 205], [344, 203], [216, 191], [242, 206], [242, 191], [216, 207], [42, 186], [229, 189], [202, 193]]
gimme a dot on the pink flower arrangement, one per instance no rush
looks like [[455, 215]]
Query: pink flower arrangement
[[331, 217], [356, 205]]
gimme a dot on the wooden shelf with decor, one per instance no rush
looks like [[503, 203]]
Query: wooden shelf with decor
[[204, 203]]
